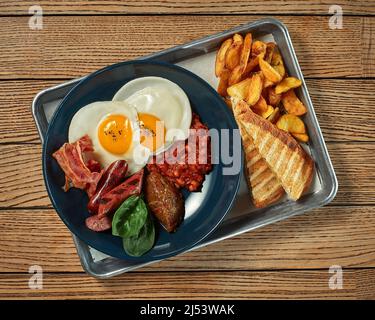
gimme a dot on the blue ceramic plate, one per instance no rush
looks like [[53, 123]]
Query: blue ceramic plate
[[206, 209]]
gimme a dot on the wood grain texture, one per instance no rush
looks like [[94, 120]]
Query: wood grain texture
[[22, 185], [289, 259], [344, 109], [301, 284], [318, 239], [16, 121], [182, 6], [73, 46]]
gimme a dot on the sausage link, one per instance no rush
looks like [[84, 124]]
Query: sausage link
[[110, 179]]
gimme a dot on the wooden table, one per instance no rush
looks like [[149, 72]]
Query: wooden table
[[289, 259]]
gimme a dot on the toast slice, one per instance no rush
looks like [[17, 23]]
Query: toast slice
[[283, 154], [264, 186]]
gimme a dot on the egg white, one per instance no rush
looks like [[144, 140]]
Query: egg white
[[163, 99], [87, 120]]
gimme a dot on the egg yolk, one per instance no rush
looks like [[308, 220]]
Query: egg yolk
[[152, 131], [115, 134]]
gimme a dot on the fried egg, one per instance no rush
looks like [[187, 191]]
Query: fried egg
[[163, 108], [114, 130]]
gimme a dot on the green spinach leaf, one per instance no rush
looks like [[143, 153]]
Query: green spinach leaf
[[138, 245], [130, 217]]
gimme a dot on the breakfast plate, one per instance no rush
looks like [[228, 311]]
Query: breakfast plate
[[203, 210], [198, 56]]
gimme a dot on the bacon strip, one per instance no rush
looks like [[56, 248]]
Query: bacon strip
[[77, 174], [93, 165]]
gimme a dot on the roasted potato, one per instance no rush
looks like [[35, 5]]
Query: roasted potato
[[274, 116], [273, 98], [269, 51], [258, 48], [254, 62], [269, 72], [292, 104], [267, 83], [245, 53], [278, 64], [220, 57], [287, 84], [233, 55], [238, 71], [260, 107], [268, 112], [291, 123], [255, 89], [235, 75], [223, 83], [303, 137], [254, 71], [240, 89], [237, 38]]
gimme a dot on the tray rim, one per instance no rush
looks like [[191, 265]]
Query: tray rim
[[241, 28]]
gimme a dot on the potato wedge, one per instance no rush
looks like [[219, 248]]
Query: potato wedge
[[233, 55], [245, 53], [273, 98], [292, 104], [269, 51], [268, 112], [303, 137], [291, 123], [269, 72], [255, 89], [277, 63], [240, 89], [254, 62], [220, 57], [238, 72], [257, 48], [274, 116], [267, 83], [237, 38], [235, 75], [223, 83], [287, 84], [260, 107]]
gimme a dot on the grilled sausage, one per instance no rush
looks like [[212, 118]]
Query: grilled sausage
[[110, 201], [110, 179], [164, 200], [97, 224]]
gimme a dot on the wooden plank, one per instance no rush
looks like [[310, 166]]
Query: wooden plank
[[343, 107], [72, 46], [9, 7], [22, 185], [16, 122], [323, 237], [357, 284]]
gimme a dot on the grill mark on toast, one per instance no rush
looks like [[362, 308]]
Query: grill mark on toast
[[265, 188], [264, 182], [291, 159]]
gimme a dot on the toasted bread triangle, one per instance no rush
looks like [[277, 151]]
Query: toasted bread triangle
[[283, 154], [264, 186]]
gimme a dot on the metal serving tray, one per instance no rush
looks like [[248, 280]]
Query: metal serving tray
[[198, 56]]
